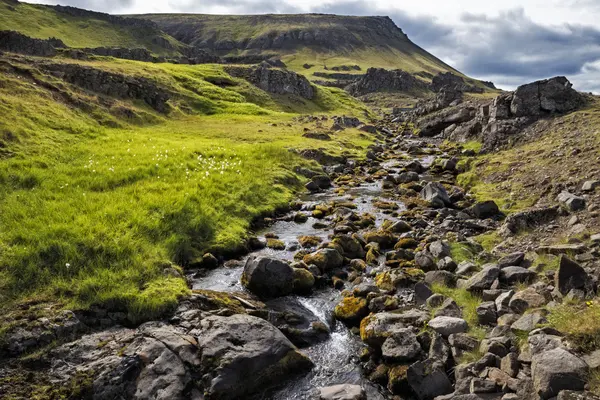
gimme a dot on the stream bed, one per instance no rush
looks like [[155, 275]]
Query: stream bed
[[335, 359]]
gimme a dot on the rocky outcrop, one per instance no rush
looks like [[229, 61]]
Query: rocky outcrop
[[497, 123], [450, 81], [16, 42], [112, 84], [379, 79], [544, 97], [275, 80]]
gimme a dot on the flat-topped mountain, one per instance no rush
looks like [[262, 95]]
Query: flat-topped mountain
[[321, 39]]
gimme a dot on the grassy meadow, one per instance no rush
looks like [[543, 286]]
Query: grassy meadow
[[97, 208]]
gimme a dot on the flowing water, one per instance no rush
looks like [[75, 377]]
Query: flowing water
[[336, 358]]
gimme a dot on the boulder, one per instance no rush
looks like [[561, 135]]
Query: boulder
[[446, 326], [556, 370], [554, 95], [525, 300], [484, 279], [428, 380], [351, 310], [486, 313], [511, 260], [342, 392], [402, 346], [325, 259], [485, 209], [570, 275], [268, 277], [242, 354], [439, 249], [570, 201], [512, 275], [436, 195], [528, 322]]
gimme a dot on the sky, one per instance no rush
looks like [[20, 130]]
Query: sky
[[509, 42]]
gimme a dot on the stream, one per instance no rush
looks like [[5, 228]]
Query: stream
[[336, 359]]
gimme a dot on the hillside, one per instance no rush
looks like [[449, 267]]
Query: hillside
[[315, 39], [82, 29]]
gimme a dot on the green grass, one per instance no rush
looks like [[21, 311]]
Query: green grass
[[95, 207], [467, 301], [489, 240], [580, 322], [44, 22]]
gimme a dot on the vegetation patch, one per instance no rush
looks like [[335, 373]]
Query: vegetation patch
[[579, 321]]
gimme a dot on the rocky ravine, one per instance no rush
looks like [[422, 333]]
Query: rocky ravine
[[388, 259]]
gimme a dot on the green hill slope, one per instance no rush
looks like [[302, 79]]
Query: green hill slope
[[104, 193], [80, 28]]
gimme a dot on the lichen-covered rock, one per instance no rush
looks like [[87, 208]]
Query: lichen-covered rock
[[351, 310], [325, 259]]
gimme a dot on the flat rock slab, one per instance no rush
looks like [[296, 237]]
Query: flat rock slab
[[342, 392], [446, 326]]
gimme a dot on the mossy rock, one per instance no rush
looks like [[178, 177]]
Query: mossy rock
[[303, 281], [319, 214], [398, 380], [309, 241], [380, 375], [384, 238], [372, 257], [275, 244], [399, 278], [406, 243], [351, 310]]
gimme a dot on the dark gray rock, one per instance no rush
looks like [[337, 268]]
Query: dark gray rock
[[379, 79], [512, 260], [556, 370], [274, 80], [242, 354], [528, 219], [486, 313], [526, 299], [570, 275], [268, 277], [571, 202], [448, 308], [427, 380], [484, 279], [435, 193], [486, 209], [512, 275], [445, 278], [528, 322], [439, 249], [446, 326], [554, 95], [402, 346]]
